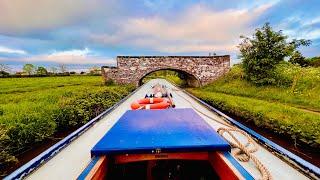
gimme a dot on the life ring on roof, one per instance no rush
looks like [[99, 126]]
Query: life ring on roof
[[151, 103]]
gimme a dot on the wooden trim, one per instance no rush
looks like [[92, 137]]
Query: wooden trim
[[151, 164], [126, 158], [99, 170], [223, 167]]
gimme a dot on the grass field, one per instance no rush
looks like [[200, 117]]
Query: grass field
[[291, 108], [34, 109]]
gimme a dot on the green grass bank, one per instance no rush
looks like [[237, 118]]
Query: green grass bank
[[291, 108], [34, 109]]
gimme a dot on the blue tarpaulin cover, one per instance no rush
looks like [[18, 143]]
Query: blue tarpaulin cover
[[170, 130]]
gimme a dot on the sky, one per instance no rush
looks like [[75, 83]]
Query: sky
[[83, 33]]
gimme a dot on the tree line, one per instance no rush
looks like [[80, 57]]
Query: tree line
[[30, 70]]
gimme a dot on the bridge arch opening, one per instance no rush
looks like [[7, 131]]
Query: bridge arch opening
[[180, 77]]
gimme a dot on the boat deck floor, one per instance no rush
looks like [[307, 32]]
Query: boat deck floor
[[69, 162]]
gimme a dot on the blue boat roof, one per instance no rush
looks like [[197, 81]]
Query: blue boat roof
[[170, 130]]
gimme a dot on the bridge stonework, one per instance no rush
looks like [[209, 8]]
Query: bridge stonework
[[200, 70]]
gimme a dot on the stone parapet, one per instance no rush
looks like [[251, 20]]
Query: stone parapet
[[200, 70]]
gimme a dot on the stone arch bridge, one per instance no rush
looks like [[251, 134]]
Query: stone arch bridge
[[198, 70]]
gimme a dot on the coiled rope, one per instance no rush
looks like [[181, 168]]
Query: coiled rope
[[242, 152]]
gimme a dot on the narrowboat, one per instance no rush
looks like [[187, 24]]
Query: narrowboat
[[162, 144]]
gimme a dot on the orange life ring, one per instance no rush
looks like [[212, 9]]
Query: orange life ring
[[151, 103]]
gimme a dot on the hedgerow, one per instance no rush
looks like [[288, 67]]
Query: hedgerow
[[84, 107], [33, 110]]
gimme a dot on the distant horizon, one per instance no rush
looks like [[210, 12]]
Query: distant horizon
[[16, 66], [78, 68]]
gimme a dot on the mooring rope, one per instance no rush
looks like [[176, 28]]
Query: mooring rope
[[242, 151]]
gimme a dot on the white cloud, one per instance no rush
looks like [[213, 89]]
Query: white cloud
[[197, 29], [20, 17], [314, 20], [75, 56], [305, 30], [11, 51], [74, 52]]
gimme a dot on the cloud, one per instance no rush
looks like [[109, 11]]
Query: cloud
[[74, 52], [297, 27], [11, 51], [197, 29], [31, 16], [75, 56], [58, 31]]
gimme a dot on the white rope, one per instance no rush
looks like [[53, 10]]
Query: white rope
[[243, 152]]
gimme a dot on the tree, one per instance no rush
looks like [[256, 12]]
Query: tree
[[42, 71], [53, 70], [263, 51], [29, 68], [4, 68], [62, 68], [4, 74], [297, 58]]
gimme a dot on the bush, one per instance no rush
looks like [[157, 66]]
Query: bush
[[32, 128], [42, 71], [4, 74], [236, 72], [298, 59], [5, 157], [296, 77], [315, 61], [261, 53], [34, 109], [80, 110]]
